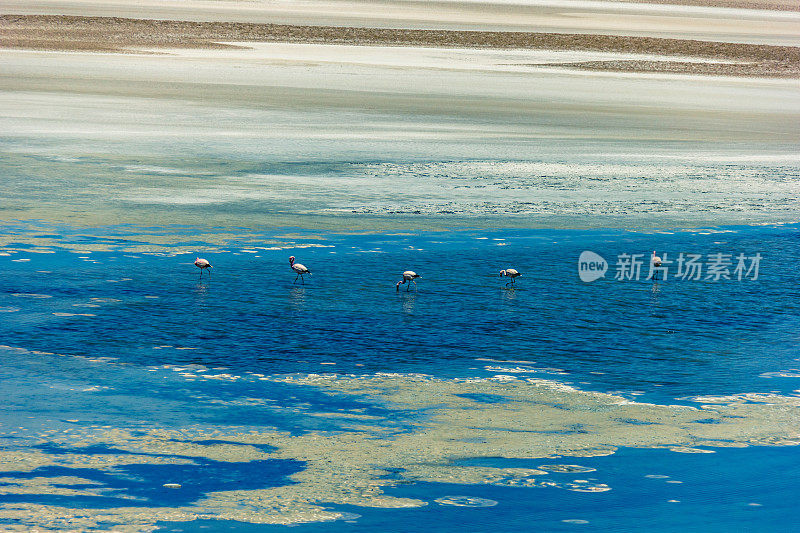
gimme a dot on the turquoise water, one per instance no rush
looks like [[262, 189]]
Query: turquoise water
[[229, 189]]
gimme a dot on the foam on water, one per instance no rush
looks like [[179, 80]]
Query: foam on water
[[465, 501], [567, 469], [685, 449], [782, 374]]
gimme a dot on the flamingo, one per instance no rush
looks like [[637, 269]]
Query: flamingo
[[202, 264], [408, 275], [299, 269], [511, 273], [655, 261]]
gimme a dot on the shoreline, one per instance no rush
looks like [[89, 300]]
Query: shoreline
[[32, 241], [129, 36]]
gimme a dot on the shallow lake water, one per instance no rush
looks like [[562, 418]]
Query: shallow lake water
[[125, 371], [139, 395]]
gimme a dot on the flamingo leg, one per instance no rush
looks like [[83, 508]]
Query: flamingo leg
[[303, 279], [295, 278]]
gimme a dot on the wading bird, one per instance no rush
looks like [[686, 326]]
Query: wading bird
[[408, 275], [202, 264], [511, 273], [655, 261], [299, 269]]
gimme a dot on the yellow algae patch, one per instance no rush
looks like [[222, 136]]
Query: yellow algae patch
[[353, 416], [686, 449], [748, 397], [538, 419], [23, 460], [159, 447], [471, 475], [47, 485], [103, 461], [56, 518], [147, 242]]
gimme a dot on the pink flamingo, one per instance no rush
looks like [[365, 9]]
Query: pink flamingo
[[655, 261], [202, 264], [408, 275], [299, 269], [511, 273]]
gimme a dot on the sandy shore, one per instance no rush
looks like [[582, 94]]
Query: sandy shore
[[773, 5], [740, 21], [106, 34]]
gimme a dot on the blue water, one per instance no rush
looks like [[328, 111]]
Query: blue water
[[637, 503], [668, 338], [715, 494], [142, 484], [650, 341]]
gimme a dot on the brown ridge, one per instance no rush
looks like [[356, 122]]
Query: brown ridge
[[107, 34]]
